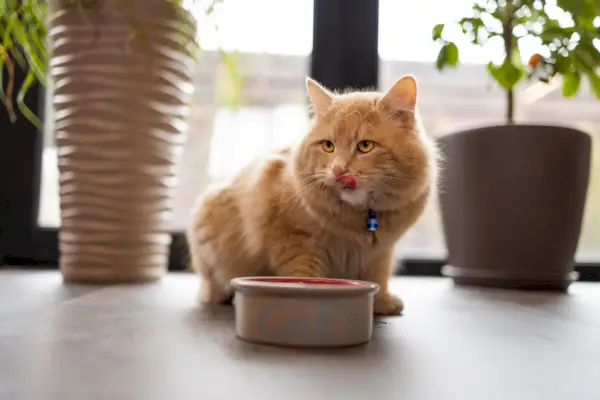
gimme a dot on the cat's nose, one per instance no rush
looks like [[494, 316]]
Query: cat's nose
[[338, 171]]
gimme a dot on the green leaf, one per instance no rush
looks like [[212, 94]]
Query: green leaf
[[555, 32], [563, 65], [36, 64], [594, 80], [571, 83], [440, 61], [585, 62], [516, 58], [229, 83], [585, 8], [448, 55], [451, 54], [437, 31], [507, 75], [26, 111], [592, 52]]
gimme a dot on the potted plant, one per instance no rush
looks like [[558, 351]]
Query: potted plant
[[121, 73], [512, 196]]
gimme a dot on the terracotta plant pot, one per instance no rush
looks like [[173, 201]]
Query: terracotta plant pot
[[512, 201], [122, 75]]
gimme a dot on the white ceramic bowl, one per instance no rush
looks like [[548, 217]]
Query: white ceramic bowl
[[307, 312]]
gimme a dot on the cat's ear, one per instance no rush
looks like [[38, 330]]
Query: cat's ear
[[320, 97], [402, 96]]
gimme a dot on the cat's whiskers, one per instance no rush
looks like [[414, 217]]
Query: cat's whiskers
[[392, 182], [295, 198], [312, 184]]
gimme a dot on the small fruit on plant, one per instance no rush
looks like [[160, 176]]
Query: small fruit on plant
[[534, 60]]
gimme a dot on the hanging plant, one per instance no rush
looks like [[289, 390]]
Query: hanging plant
[[23, 34]]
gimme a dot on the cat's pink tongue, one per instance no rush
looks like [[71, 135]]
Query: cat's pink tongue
[[347, 182]]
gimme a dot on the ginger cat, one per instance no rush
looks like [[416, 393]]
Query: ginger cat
[[303, 211]]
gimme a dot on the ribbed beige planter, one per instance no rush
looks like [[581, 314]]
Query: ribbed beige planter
[[121, 102]]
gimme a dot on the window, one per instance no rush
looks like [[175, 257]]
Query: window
[[276, 44], [271, 111], [466, 96]]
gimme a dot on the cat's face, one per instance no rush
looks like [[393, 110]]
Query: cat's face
[[365, 148]]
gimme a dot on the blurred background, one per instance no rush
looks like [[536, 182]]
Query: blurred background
[[274, 56], [275, 44]]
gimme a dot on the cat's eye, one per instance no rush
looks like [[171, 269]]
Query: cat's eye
[[365, 146], [328, 146]]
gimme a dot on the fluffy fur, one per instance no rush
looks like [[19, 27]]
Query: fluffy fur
[[285, 214]]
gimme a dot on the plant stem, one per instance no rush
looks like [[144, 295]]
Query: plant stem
[[509, 47], [510, 107]]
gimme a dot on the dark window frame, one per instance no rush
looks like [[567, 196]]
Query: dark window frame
[[343, 31]]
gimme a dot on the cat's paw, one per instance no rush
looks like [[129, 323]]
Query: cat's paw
[[388, 304], [211, 293], [304, 274]]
